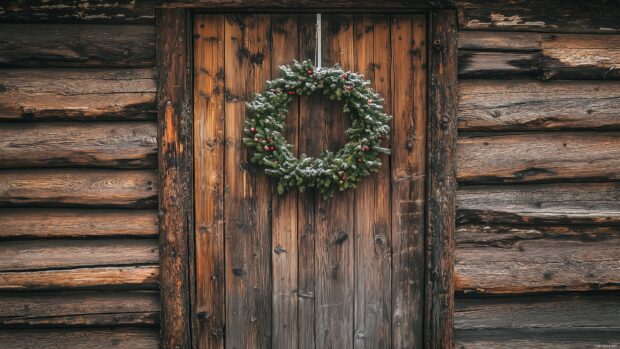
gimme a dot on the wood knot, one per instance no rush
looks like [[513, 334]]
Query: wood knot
[[342, 237]]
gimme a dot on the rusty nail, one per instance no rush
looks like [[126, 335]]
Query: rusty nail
[[409, 146]]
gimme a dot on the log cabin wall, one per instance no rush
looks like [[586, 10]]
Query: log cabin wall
[[538, 160]]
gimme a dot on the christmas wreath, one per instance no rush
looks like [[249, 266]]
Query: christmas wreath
[[265, 124]]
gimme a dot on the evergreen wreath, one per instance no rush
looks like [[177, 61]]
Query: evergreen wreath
[[265, 124]]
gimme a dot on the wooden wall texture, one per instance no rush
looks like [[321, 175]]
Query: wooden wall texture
[[538, 160]]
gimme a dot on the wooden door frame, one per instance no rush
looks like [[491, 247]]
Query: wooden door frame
[[175, 138]]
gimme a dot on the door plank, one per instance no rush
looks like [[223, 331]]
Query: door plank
[[209, 179], [372, 205], [284, 48], [335, 219], [408, 184], [247, 192]]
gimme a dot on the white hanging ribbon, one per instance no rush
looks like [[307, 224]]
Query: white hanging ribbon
[[318, 41]]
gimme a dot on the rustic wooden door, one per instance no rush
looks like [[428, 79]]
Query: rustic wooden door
[[295, 270]]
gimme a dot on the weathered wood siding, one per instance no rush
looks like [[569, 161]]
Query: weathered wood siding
[[538, 198]]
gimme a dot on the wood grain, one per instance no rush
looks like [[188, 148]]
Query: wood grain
[[499, 41], [499, 65], [209, 142], [58, 223], [139, 277], [77, 45], [121, 338], [511, 260], [494, 105], [80, 308], [176, 213], [78, 187], [530, 157], [565, 203], [77, 94], [561, 321], [408, 162], [373, 308], [56, 254], [108, 144], [248, 192]]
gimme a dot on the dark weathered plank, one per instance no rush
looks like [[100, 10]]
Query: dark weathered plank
[[209, 179], [142, 277], [499, 41], [287, 5], [499, 65], [75, 308], [529, 105], [312, 112], [78, 187], [408, 162], [567, 321], [496, 260], [57, 223], [106, 144], [284, 256], [175, 124], [248, 194], [47, 94], [554, 16], [373, 309], [439, 291], [55, 254], [585, 56], [77, 45], [94, 11], [121, 338], [533, 157], [573, 203], [335, 218]]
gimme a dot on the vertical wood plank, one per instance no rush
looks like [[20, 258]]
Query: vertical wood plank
[[335, 220], [284, 48], [408, 179], [247, 191], [442, 182], [311, 114], [175, 172], [372, 204], [209, 179]]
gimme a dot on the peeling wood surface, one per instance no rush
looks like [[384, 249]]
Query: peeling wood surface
[[495, 105], [76, 45], [562, 203], [120, 338], [513, 260], [59, 223], [105, 144], [76, 94], [531, 157], [78, 187], [80, 308]]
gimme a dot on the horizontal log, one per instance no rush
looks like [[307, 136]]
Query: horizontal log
[[496, 105], [101, 144], [554, 16], [498, 65], [530, 157], [62, 253], [77, 45], [566, 203], [79, 187], [57, 94], [135, 277], [566, 321], [117, 338], [80, 308], [59, 223], [70, 11], [510, 260], [585, 56], [499, 41]]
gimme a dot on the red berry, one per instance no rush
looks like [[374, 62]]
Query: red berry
[[344, 178], [291, 92], [272, 148], [366, 148], [310, 72], [344, 76], [267, 148], [253, 129]]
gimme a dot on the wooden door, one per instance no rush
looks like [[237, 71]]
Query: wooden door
[[296, 270]]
